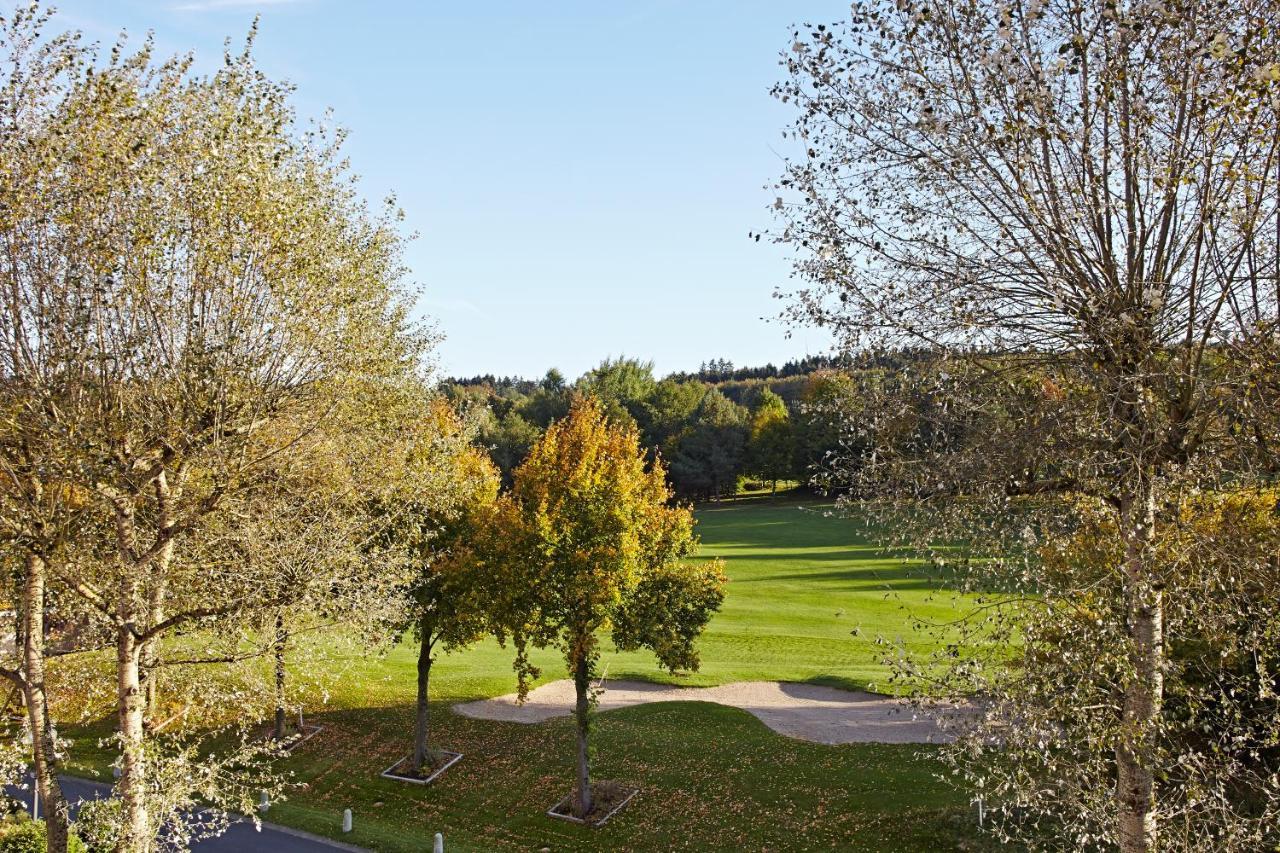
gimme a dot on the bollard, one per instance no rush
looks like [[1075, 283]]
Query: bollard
[[438, 847], [346, 820], [263, 803], [982, 811]]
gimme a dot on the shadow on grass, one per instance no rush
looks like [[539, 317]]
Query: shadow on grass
[[711, 778]]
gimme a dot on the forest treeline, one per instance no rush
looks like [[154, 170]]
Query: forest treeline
[[715, 428]]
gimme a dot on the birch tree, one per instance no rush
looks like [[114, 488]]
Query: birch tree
[[1073, 207], [40, 509], [186, 269]]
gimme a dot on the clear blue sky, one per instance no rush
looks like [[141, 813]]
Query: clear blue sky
[[582, 174]]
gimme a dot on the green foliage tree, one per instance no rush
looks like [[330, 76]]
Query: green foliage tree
[[668, 410], [548, 402], [509, 439], [596, 542], [554, 381], [707, 455], [827, 406], [622, 385]]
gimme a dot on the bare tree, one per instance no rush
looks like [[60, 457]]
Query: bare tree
[[1072, 207]]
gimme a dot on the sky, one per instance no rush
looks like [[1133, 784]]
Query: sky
[[581, 175]]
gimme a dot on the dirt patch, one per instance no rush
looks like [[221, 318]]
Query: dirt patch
[[438, 761], [607, 799]]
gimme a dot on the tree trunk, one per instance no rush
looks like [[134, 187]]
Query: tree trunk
[[165, 497], [281, 640], [581, 685], [53, 805], [420, 730], [131, 700], [1144, 692]]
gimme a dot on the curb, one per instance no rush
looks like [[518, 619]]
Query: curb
[[275, 827]]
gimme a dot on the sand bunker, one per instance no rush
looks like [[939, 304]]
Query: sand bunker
[[804, 711]]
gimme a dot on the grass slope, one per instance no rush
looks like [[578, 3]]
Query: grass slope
[[711, 778]]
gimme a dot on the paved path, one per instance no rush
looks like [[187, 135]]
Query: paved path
[[241, 837], [803, 711]]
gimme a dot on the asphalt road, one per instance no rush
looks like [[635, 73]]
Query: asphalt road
[[241, 837]]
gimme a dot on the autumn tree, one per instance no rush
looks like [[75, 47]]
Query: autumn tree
[[41, 507], [185, 270], [439, 529], [770, 443], [1070, 209], [594, 543]]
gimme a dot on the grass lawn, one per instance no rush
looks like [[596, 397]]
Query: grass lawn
[[711, 778]]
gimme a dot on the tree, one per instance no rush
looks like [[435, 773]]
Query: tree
[[188, 271], [1071, 209], [595, 541], [827, 404], [668, 410], [311, 522], [40, 512], [554, 381], [707, 455], [508, 440], [622, 385], [441, 532], [548, 402], [770, 444]]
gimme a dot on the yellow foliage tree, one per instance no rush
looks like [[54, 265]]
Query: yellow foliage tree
[[594, 543]]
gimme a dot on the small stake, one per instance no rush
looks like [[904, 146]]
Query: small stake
[[982, 811], [346, 820], [263, 802], [438, 847], [299, 719]]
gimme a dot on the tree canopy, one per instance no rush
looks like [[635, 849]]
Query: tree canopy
[[1070, 209], [597, 543]]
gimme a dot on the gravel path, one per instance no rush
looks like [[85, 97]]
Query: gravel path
[[803, 711]]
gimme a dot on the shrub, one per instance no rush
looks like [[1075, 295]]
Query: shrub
[[21, 834]]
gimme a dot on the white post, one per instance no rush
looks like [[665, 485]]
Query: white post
[[982, 811], [346, 820], [299, 719], [263, 803], [438, 847]]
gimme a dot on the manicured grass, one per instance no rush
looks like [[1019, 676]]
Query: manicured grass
[[711, 778]]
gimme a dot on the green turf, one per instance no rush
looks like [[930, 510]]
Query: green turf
[[711, 778], [809, 599]]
